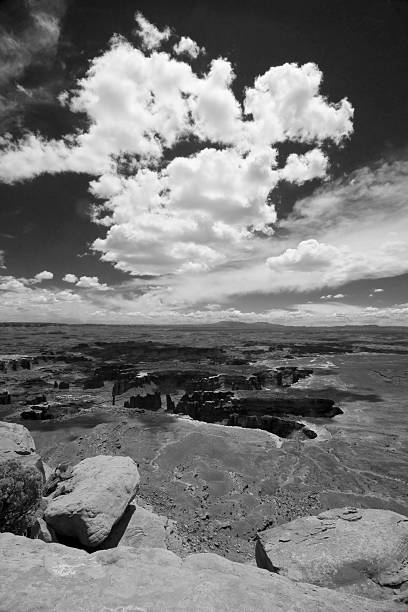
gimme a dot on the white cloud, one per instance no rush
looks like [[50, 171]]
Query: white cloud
[[91, 282], [286, 105], [308, 255], [11, 284], [194, 214], [338, 296], [301, 168], [200, 223], [70, 278], [150, 35], [378, 290], [188, 46], [44, 275]]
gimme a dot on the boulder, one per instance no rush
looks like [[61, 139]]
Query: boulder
[[362, 552], [50, 577], [16, 442], [140, 527], [87, 505]]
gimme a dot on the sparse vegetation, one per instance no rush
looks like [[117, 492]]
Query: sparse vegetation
[[20, 496]]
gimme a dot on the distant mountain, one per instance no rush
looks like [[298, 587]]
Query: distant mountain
[[246, 325]]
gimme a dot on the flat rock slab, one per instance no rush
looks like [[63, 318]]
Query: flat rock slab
[[52, 577], [88, 504], [16, 442], [358, 551]]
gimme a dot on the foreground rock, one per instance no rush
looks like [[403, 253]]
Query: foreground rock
[[356, 551], [49, 577], [86, 505], [16, 442], [141, 528]]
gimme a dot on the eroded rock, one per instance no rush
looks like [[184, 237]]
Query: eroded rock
[[357, 551], [66, 579], [87, 505]]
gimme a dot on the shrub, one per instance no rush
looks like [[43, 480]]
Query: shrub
[[20, 496]]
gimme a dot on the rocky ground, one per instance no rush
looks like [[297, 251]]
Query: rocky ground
[[221, 484]]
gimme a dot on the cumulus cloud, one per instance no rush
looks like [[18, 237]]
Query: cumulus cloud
[[188, 46], [91, 282], [378, 290], [150, 35], [308, 255], [44, 275], [201, 224], [70, 278]]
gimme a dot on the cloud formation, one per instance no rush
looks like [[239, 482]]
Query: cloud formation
[[201, 225], [203, 211], [188, 46], [150, 36], [44, 275]]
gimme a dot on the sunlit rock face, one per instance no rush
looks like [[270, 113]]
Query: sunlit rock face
[[348, 549], [154, 579], [87, 505]]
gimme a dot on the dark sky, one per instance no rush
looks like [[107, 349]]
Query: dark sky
[[361, 47]]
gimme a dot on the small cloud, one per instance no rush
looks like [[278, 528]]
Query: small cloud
[[326, 297], [378, 290], [70, 278], [188, 46], [44, 275], [151, 36], [91, 282], [371, 295], [338, 296]]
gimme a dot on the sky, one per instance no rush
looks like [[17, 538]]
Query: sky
[[192, 161]]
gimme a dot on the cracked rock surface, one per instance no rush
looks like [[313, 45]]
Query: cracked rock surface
[[352, 550]]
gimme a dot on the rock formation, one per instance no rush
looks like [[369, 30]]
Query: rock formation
[[274, 413], [363, 552], [16, 442], [87, 505], [36, 575]]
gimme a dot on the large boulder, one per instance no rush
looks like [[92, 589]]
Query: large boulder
[[16, 442], [53, 577], [356, 551], [86, 505]]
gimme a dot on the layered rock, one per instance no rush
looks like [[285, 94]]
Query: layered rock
[[273, 413], [36, 575], [148, 401], [282, 427], [356, 551], [86, 505]]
